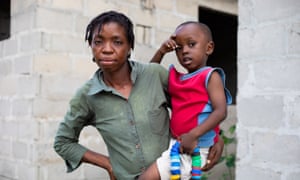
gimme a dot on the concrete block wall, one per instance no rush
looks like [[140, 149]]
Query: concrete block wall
[[268, 112], [46, 59]]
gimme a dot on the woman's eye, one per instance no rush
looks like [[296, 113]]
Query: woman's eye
[[118, 42], [97, 42]]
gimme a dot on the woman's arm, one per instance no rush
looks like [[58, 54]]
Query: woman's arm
[[99, 160]]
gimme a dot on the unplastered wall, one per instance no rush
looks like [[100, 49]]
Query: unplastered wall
[[46, 59], [269, 90]]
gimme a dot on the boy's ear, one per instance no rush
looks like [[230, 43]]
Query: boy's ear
[[210, 47]]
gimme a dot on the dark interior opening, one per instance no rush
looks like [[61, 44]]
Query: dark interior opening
[[224, 31], [4, 19]]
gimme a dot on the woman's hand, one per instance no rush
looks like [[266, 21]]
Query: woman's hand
[[111, 174], [215, 153]]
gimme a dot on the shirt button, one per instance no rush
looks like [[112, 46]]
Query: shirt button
[[137, 146], [143, 169], [131, 122]]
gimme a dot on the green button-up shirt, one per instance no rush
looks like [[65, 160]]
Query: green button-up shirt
[[135, 130]]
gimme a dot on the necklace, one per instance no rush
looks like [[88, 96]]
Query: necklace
[[175, 163]]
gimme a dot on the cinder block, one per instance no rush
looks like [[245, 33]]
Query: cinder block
[[22, 107], [20, 150], [5, 67], [59, 92], [261, 43], [144, 17], [261, 111], [84, 67], [294, 175], [293, 114], [28, 86], [28, 129], [55, 171], [275, 77], [189, 8], [23, 21], [5, 107], [28, 171], [31, 42], [42, 153], [95, 7], [242, 147], [52, 63], [93, 173], [66, 43], [279, 9], [167, 5], [8, 169], [294, 39], [249, 172], [74, 5], [53, 20], [6, 147], [10, 129], [22, 64], [284, 148], [44, 108], [10, 47], [169, 21]]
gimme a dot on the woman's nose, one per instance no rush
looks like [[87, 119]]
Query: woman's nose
[[107, 47]]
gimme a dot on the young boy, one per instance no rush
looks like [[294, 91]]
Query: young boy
[[199, 104]]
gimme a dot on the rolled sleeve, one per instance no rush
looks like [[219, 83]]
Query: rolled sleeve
[[71, 152]]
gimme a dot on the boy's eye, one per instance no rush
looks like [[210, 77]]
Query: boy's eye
[[178, 48], [191, 44]]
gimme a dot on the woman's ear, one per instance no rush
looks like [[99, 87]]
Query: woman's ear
[[210, 48]]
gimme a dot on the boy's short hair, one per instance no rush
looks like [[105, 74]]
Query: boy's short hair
[[202, 26]]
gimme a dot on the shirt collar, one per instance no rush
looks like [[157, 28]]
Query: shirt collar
[[98, 85]]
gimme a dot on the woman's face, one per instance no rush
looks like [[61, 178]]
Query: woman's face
[[110, 47]]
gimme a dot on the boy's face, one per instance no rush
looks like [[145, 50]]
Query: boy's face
[[193, 47], [110, 46]]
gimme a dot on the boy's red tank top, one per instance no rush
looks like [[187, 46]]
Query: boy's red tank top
[[188, 98]]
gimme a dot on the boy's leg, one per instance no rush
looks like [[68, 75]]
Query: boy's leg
[[159, 169]]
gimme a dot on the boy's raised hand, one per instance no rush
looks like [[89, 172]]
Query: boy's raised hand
[[166, 47]]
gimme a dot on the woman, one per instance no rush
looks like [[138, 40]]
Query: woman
[[125, 101]]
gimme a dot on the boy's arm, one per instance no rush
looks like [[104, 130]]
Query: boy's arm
[[168, 46], [158, 56]]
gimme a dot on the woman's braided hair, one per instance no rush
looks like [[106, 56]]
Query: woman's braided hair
[[107, 17]]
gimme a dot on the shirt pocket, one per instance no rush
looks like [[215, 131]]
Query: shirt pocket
[[159, 120]]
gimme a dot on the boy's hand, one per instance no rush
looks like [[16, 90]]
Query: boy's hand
[[187, 143], [168, 46], [215, 153]]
